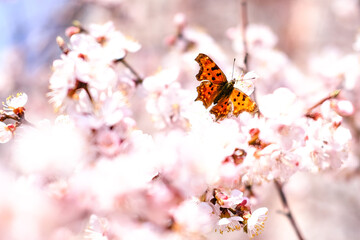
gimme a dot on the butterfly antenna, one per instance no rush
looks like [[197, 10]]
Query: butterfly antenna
[[232, 75]]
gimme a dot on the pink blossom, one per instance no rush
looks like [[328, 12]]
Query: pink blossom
[[72, 30], [58, 150], [97, 228], [6, 132], [180, 20], [34, 218], [194, 217], [88, 69], [161, 80], [131, 171], [255, 224], [230, 200], [344, 9], [108, 142], [281, 104], [115, 43], [145, 161], [327, 145], [62, 81], [167, 101], [343, 107], [15, 104], [246, 83], [229, 224]]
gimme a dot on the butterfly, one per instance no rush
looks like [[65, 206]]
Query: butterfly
[[216, 89]]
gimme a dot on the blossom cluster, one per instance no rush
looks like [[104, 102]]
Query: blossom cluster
[[100, 172], [13, 109]]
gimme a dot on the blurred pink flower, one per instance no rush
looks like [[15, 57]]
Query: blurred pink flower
[[229, 200], [131, 171], [180, 19], [282, 105], [49, 149], [327, 66], [34, 218], [343, 107], [97, 228], [6, 132], [108, 142], [327, 146], [62, 233], [344, 9], [167, 101], [194, 218], [161, 81], [63, 80], [115, 44]]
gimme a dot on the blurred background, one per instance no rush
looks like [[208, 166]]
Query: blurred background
[[326, 206], [304, 28]]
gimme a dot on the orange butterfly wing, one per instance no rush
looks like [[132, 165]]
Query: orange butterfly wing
[[221, 109], [207, 92], [241, 102], [209, 70], [212, 79]]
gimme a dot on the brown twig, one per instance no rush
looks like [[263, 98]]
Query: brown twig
[[18, 118], [287, 211], [138, 79], [81, 85], [244, 25], [334, 94], [4, 116], [244, 22], [26, 122]]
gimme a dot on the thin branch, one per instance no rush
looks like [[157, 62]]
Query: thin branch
[[89, 95], [287, 211], [138, 79], [25, 122], [244, 25], [334, 94], [18, 118], [4, 116], [81, 85], [244, 22]]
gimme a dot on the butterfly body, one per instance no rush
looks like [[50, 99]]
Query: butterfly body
[[216, 89], [224, 91]]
